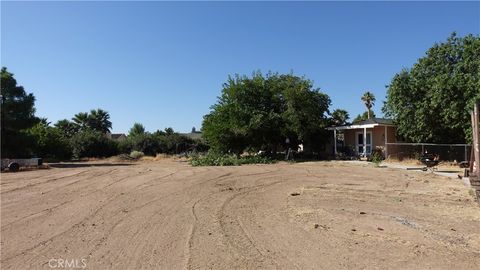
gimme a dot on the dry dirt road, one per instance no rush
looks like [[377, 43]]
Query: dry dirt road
[[169, 215]]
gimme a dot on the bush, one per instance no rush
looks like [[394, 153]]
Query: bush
[[50, 143], [214, 159], [376, 157], [136, 154], [89, 143]]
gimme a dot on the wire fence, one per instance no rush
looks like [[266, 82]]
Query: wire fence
[[446, 152]]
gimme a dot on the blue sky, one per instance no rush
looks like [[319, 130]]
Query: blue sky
[[163, 63]]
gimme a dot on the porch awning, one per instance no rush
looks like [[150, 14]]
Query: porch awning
[[354, 127], [369, 123]]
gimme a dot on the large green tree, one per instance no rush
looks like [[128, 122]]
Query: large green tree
[[261, 112], [18, 115], [50, 142], [431, 101]]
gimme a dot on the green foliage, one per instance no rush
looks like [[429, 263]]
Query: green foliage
[[363, 117], [97, 120], [137, 129], [50, 142], [168, 142], [216, 159], [67, 128], [260, 112], [136, 154], [339, 117], [376, 157], [431, 102], [368, 99], [17, 115], [91, 143]]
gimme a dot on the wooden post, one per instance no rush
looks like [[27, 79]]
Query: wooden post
[[386, 142], [335, 141], [364, 142], [476, 137], [475, 173]]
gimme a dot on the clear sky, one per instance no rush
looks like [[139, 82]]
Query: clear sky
[[163, 63]]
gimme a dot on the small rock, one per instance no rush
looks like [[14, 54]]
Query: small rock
[[316, 226], [209, 233], [380, 228], [354, 230], [362, 213], [453, 229], [295, 194]]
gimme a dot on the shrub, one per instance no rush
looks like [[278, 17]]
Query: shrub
[[89, 143], [215, 159], [50, 143], [376, 158], [136, 154]]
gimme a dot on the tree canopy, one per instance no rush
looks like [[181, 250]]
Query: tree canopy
[[97, 120], [340, 117], [261, 112], [431, 102], [368, 99], [18, 115]]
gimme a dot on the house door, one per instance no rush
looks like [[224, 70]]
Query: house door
[[361, 144]]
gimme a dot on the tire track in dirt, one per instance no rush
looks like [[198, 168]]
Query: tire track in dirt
[[110, 200], [193, 228], [235, 233], [40, 183]]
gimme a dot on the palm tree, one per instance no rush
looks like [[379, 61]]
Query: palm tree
[[99, 120], [81, 120], [369, 100], [340, 117]]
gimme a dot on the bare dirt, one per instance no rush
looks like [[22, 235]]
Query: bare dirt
[[169, 215]]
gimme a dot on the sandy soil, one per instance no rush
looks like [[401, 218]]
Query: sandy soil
[[168, 215]]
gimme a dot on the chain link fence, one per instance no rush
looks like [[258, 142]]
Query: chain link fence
[[446, 152]]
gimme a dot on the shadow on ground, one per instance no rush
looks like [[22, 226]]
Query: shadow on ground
[[81, 165]]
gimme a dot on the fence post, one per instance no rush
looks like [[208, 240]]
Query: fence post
[[475, 173], [476, 143], [386, 142]]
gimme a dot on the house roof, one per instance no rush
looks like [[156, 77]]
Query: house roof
[[369, 123], [117, 135], [381, 121]]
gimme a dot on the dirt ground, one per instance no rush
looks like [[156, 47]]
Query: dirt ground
[[169, 215]]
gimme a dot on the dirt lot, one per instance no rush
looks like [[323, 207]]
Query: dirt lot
[[168, 215]]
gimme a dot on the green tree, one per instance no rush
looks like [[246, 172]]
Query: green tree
[[137, 129], [67, 127], [91, 143], [81, 120], [368, 99], [17, 115], [97, 120], [340, 117], [50, 142], [431, 102], [260, 112]]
